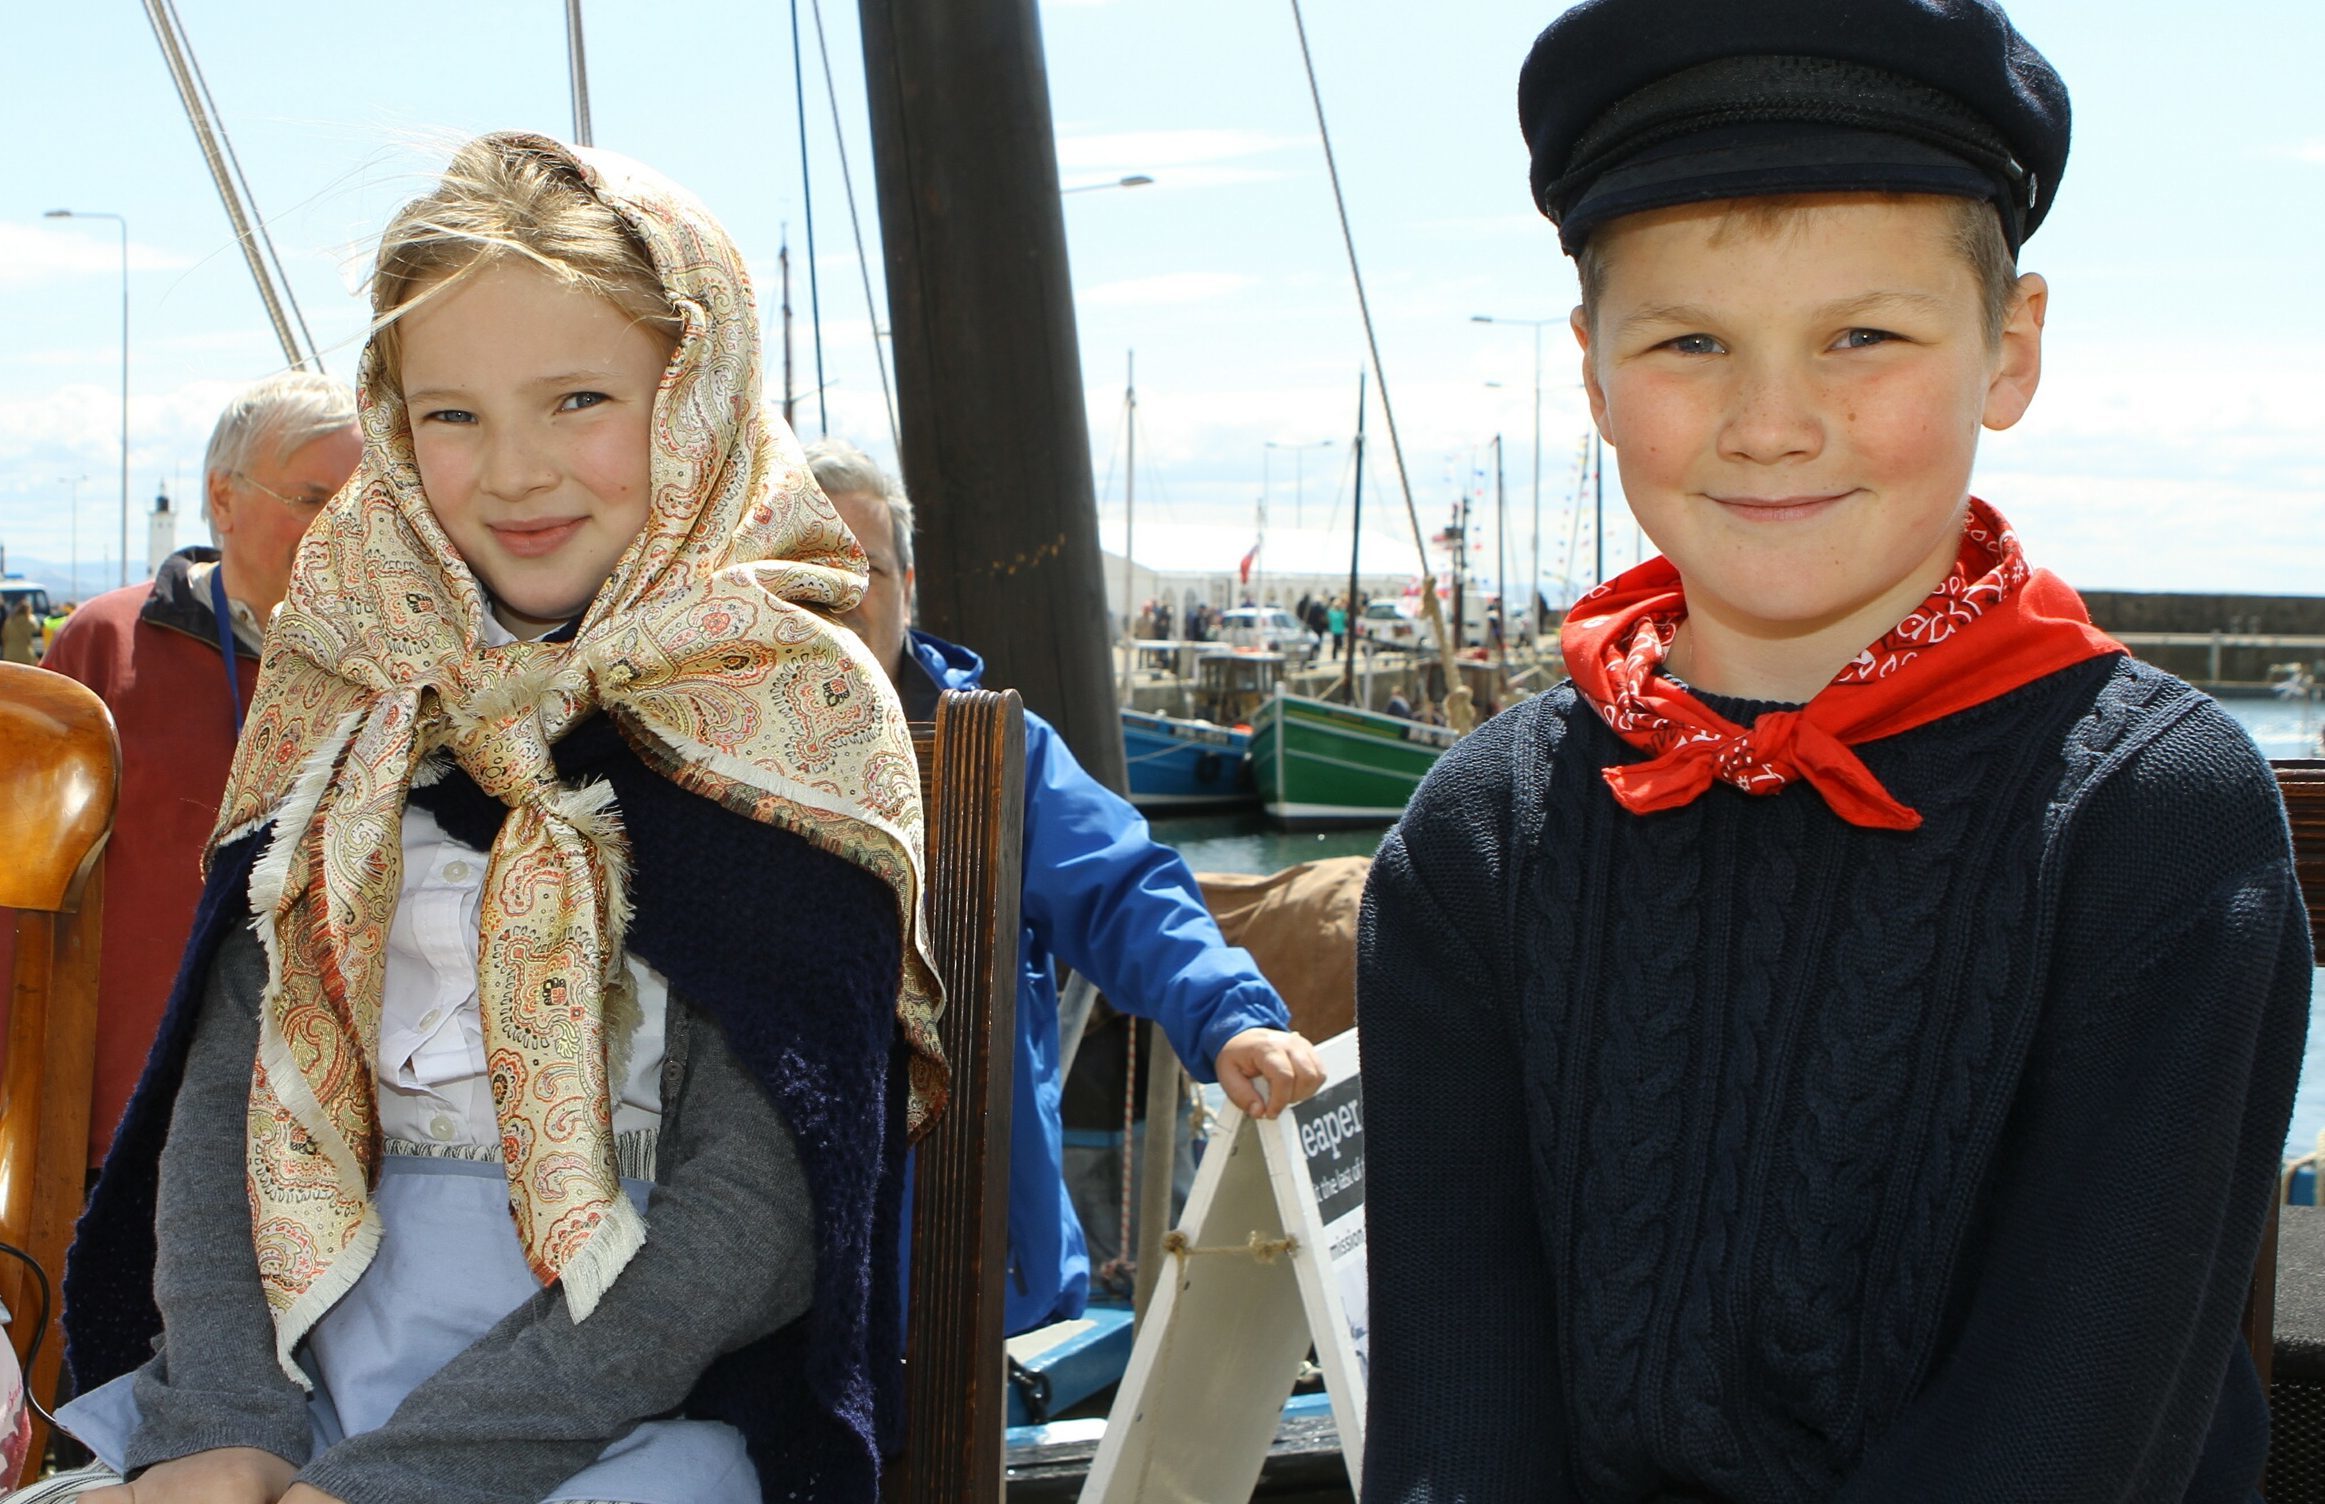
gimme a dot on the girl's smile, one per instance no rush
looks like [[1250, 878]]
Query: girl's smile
[[531, 406]]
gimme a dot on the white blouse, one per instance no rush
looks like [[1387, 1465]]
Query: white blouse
[[432, 1083]]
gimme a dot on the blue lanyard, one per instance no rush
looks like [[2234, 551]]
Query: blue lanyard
[[225, 619]]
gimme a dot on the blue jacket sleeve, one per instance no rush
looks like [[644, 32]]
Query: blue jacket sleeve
[[1103, 896]]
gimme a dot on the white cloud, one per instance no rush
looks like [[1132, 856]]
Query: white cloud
[[2310, 151], [1169, 288], [32, 254], [1152, 151]]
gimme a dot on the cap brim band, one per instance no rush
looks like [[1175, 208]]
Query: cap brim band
[[1762, 161]]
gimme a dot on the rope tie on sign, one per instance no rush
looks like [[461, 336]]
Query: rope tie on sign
[[1259, 1248]]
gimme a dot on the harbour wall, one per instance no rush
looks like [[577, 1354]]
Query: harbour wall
[[2216, 640]]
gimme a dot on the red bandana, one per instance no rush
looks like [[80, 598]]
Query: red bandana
[[1998, 623]]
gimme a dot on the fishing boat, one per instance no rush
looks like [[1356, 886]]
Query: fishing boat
[[1317, 763], [1177, 764]]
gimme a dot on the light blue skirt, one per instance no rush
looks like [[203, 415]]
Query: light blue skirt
[[447, 1271]]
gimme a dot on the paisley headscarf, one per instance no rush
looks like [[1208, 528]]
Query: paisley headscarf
[[712, 647]]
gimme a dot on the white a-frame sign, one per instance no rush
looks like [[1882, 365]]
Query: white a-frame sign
[[1269, 1257]]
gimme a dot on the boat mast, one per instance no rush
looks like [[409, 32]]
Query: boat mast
[[783, 259], [1598, 510], [266, 267], [823, 422], [996, 444], [1355, 542], [1129, 509], [1501, 567], [577, 66]]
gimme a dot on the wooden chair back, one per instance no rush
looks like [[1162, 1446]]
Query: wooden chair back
[[972, 780], [2302, 782], [60, 780]]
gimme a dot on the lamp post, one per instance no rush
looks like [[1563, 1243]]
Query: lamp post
[[1533, 590], [1135, 180], [1297, 451], [123, 224], [73, 519]]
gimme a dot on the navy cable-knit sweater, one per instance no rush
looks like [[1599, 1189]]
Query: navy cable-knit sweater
[[1737, 1153]]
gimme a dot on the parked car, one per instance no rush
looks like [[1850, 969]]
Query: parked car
[[15, 587], [1388, 624], [1268, 628]]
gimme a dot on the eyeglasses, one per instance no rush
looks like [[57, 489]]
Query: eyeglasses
[[308, 502]]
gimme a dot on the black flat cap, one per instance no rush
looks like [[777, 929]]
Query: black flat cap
[[1630, 105]]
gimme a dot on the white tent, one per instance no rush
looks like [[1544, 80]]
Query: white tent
[[1184, 563]]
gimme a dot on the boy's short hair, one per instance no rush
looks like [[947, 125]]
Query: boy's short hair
[[1977, 234]]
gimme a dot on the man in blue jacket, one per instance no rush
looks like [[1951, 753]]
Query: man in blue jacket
[[1100, 895]]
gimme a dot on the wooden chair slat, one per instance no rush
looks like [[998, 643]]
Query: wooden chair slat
[[972, 764]]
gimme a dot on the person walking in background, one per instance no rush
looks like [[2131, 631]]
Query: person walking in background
[[20, 633]]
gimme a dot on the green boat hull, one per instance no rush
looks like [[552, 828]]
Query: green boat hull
[[1318, 764]]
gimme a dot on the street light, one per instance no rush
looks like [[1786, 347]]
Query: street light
[[1135, 180], [1297, 450], [73, 514], [124, 226], [1533, 592]]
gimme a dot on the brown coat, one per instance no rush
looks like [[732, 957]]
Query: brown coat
[[1300, 926]]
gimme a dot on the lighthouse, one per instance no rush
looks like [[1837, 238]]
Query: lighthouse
[[161, 533]]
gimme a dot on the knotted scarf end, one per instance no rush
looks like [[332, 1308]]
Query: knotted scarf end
[[591, 1272]]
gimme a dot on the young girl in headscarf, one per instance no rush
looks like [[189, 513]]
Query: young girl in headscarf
[[528, 1121]]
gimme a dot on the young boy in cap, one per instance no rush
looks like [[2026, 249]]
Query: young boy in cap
[[1876, 1001]]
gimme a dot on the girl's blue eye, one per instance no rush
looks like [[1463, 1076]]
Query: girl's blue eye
[[449, 415], [576, 401], [1865, 339], [1694, 344]]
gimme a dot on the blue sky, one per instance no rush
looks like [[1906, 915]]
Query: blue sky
[[2175, 444]]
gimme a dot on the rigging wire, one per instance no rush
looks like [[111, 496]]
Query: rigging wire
[[863, 264], [807, 196], [250, 231], [1364, 305], [1457, 698]]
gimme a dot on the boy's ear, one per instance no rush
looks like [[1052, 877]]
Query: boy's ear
[[2018, 365], [1579, 322]]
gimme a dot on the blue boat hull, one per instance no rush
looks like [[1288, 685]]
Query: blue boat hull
[[1178, 765]]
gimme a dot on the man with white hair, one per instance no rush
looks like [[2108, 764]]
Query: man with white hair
[[1099, 894], [176, 659]]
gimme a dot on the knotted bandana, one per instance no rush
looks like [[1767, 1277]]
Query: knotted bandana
[[1991, 626], [711, 646]]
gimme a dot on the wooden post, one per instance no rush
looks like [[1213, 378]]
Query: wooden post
[[996, 446]]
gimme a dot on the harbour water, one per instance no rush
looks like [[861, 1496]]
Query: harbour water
[[1246, 843]]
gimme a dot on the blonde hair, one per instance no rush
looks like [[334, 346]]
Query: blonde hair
[[500, 198]]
